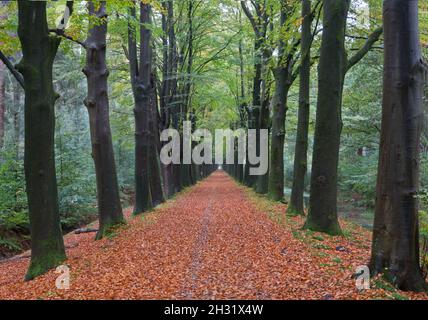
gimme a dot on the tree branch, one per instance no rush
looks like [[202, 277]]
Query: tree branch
[[18, 76], [60, 31], [250, 17], [62, 34], [371, 40], [212, 58]]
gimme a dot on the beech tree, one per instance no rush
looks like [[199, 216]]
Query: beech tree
[[395, 247], [140, 79], [168, 89], [97, 103], [285, 73], [296, 206], [333, 66], [39, 49], [259, 22]]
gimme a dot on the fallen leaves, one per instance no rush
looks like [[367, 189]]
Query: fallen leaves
[[216, 240]]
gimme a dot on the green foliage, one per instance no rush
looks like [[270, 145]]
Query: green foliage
[[11, 244], [423, 229], [358, 174], [13, 200], [14, 223], [76, 177]]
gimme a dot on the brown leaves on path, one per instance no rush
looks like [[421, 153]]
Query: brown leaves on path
[[215, 241]]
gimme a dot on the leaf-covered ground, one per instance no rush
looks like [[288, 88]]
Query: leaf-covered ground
[[216, 240]]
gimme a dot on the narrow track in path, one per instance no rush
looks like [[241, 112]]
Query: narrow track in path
[[211, 242]]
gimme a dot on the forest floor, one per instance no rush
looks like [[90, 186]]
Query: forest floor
[[216, 240]]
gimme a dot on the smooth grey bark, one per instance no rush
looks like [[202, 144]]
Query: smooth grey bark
[[259, 23], [296, 206], [140, 69], [395, 247], [39, 50], [322, 214], [186, 169], [332, 69], [262, 184], [168, 99], [97, 102], [156, 187], [279, 111], [241, 104], [284, 78]]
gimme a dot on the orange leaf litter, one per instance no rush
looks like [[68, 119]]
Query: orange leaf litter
[[214, 241]]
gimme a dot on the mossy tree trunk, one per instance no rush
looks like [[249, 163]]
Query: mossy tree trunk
[[39, 50], [97, 102], [395, 248]]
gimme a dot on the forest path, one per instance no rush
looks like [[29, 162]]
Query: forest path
[[211, 242]]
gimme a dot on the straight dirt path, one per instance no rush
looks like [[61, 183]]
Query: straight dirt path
[[212, 242]]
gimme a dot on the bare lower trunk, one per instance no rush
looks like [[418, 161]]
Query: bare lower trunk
[[39, 50], [296, 206], [156, 188], [279, 111], [395, 249], [97, 102], [322, 214], [263, 180], [140, 70]]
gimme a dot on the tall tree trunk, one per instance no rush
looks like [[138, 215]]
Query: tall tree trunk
[[242, 104], [142, 111], [97, 102], [263, 180], [255, 108], [174, 100], [2, 103], [331, 72], [279, 111], [296, 206], [39, 50], [186, 100], [156, 187], [283, 82], [395, 249], [168, 86]]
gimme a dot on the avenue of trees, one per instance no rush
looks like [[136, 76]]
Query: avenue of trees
[[308, 71]]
